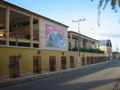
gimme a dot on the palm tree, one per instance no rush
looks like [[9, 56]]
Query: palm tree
[[115, 4]]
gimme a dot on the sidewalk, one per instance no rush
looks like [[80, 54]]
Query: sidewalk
[[6, 81]]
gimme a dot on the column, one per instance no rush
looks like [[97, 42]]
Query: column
[[71, 41], [39, 32], [7, 22], [31, 31], [90, 44]]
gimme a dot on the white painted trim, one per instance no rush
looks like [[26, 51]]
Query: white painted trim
[[31, 48]]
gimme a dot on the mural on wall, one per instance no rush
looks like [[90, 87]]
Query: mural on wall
[[54, 36]]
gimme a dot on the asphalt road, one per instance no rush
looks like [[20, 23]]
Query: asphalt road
[[99, 77]]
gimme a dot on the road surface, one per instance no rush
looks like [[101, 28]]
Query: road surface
[[99, 77]]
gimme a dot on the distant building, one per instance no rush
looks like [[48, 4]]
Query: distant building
[[106, 46], [84, 41]]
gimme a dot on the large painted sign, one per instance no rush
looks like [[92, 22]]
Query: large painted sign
[[55, 37]]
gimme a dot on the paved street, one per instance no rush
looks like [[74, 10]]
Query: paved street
[[99, 77]]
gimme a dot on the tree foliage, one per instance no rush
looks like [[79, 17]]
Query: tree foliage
[[115, 4], [87, 50]]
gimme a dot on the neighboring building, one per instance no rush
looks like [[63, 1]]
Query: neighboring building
[[84, 41], [106, 46]]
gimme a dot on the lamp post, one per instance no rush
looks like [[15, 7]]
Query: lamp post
[[78, 21]]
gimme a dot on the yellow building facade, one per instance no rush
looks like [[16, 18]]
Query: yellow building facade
[[48, 60], [26, 60], [31, 43]]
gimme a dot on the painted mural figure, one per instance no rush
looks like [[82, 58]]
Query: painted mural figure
[[54, 37]]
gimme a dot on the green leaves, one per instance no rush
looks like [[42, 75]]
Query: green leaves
[[100, 4], [88, 50], [106, 2], [113, 3], [103, 3], [119, 3]]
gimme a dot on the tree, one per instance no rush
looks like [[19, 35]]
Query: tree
[[115, 4]]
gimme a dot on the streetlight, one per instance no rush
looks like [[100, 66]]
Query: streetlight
[[78, 21]]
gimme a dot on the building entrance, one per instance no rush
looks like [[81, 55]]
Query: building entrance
[[63, 62], [71, 61], [52, 63], [37, 64], [14, 66]]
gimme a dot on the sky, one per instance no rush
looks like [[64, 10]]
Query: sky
[[64, 11]]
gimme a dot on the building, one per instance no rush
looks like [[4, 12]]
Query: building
[[89, 53], [31, 43], [84, 41], [106, 46]]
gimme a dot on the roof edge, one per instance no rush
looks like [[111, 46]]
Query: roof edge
[[5, 2]]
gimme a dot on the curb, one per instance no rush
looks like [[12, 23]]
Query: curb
[[45, 75]]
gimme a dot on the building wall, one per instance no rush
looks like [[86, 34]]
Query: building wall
[[91, 58], [26, 60]]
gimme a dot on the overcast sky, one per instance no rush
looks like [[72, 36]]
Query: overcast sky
[[65, 11]]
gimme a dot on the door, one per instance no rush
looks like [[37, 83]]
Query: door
[[14, 66], [63, 62], [83, 61], [71, 61], [52, 63], [37, 64], [88, 60]]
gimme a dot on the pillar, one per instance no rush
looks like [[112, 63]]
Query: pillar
[[81, 44], [39, 32], [31, 31], [7, 22]]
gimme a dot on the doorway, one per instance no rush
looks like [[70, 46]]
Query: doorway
[[71, 61], [14, 66], [37, 64], [52, 63], [63, 62]]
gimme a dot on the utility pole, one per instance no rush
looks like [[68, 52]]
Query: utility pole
[[78, 21]]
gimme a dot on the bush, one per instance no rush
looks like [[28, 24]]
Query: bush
[[88, 50]]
